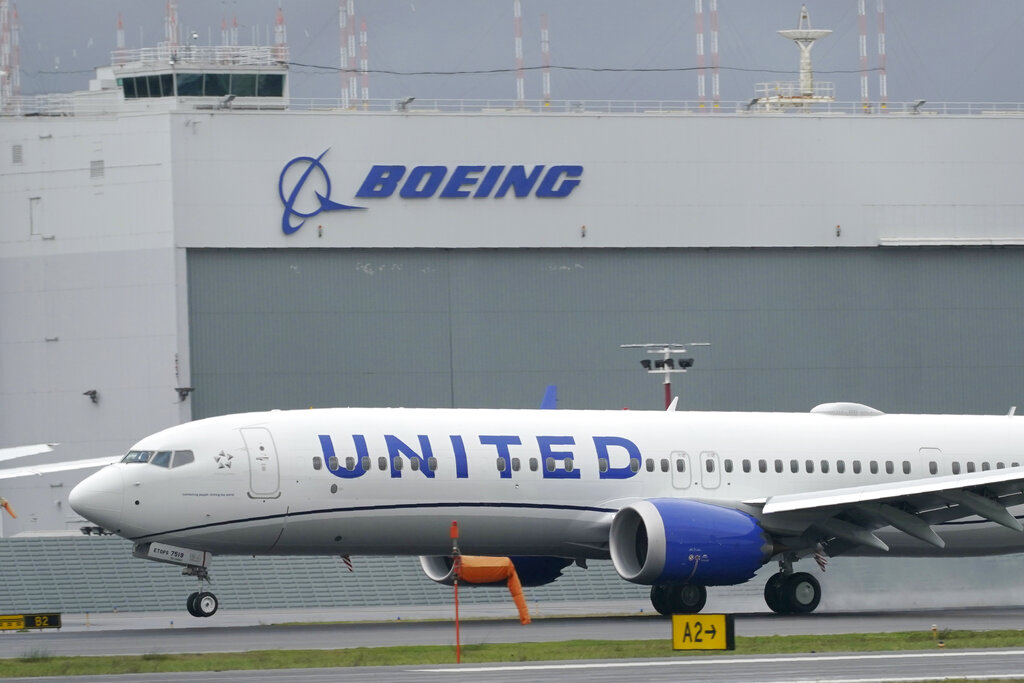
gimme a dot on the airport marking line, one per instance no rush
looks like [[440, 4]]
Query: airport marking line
[[694, 661]]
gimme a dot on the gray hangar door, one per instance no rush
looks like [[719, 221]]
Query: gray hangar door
[[902, 329]]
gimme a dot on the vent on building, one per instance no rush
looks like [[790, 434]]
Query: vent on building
[[96, 168], [16, 154]]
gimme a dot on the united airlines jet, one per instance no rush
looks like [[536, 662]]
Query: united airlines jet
[[679, 501]]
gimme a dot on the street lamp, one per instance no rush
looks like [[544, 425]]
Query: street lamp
[[666, 365]]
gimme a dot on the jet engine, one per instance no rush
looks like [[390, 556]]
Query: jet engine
[[532, 571], [668, 540]]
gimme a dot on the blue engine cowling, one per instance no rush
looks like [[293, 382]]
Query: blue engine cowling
[[668, 540], [532, 571]]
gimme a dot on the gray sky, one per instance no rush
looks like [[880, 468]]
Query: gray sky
[[939, 50]]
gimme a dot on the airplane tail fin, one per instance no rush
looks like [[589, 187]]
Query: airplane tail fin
[[550, 400]]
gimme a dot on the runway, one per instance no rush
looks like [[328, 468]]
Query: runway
[[244, 630]]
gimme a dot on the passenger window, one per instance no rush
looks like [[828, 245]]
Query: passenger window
[[534, 463], [856, 466], [664, 464], [906, 467], [727, 464], [762, 466], [414, 464], [841, 466], [889, 467], [824, 466], [1000, 466], [317, 462], [794, 466], [382, 463], [956, 468], [515, 464], [501, 464], [971, 467], [397, 462], [568, 464], [985, 467], [680, 465], [431, 464], [933, 467], [874, 466], [602, 464], [350, 464], [709, 465], [650, 465], [809, 465], [634, 465], [746, 466], [550, 464], [778, 466], [332, 464], [161, 459], [1014, 464]]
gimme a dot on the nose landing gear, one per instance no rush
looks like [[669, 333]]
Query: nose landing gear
[[201, 603]]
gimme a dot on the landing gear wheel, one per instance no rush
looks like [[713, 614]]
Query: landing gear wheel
[[773, 594], [687, 598], [801, 593], [190, 604], [206, 604], [660, 600]]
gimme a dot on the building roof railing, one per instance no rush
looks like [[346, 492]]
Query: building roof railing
[[165, 55], [110, 102]]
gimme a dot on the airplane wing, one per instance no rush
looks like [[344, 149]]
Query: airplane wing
[[22, 451], [49, 468], [841, 519]]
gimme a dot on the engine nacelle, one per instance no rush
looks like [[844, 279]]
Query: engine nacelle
[[669, 540], [532, 571]]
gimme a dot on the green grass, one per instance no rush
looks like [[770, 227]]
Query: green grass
[[39, 663]]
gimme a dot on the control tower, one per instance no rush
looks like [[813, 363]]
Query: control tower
[[783, 94]]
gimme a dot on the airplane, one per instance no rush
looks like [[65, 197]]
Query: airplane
[[679, 501]]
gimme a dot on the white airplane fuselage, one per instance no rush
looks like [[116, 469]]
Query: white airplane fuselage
[[522, 482]]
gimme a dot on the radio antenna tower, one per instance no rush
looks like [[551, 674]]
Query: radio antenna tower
[[714, 52], [343, 42], [517, 11], [171, 24], [350, 41], [545, 56], [364, 64], [863, 44], [10, 54], [699, 9], [280, 37], [883, 94]]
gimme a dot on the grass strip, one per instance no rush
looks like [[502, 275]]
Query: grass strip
[[40, 663]]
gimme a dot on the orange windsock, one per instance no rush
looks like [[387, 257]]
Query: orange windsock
[[7, 506], [477, 569]]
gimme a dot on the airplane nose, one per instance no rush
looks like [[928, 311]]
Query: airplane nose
[[98, 498]]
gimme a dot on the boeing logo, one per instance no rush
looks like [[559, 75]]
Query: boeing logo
[[423, 182], [323, 202]]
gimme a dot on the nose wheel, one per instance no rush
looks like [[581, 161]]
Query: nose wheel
[[202, 604]]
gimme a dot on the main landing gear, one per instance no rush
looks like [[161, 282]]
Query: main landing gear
[[789, 592], [678, 598], [201, 603]]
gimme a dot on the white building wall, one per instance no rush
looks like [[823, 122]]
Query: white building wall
[[89, 297]]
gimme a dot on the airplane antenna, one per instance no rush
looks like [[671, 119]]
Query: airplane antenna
[[666, 365]]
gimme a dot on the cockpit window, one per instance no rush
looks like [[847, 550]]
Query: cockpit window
[[183, 458], [161, 459], [138, 456]]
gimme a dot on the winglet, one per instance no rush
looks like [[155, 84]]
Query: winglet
[[672, 406], [550, 400]]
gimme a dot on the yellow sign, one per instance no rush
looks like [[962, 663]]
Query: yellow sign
[[702, 632], [18, 622]]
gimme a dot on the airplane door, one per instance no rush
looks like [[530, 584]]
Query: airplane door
[[682, 474], [264, 471], [710, 474]]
